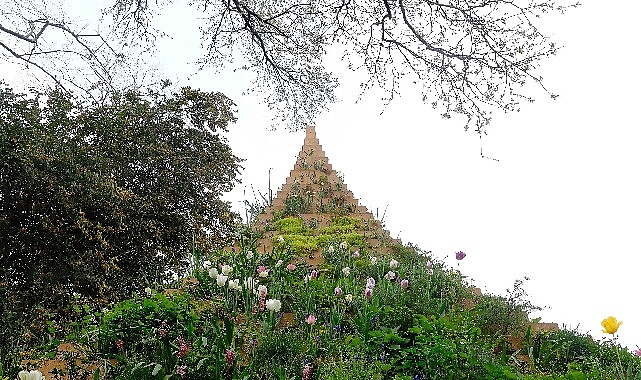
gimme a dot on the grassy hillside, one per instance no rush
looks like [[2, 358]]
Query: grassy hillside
[[359, 315]]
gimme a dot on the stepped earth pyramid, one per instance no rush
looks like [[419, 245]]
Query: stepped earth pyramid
[[315, 199]]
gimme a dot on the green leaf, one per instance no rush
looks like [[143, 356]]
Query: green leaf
[[157, 369]]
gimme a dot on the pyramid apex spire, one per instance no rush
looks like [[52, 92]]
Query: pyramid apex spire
[[310, 136], [311, 130]]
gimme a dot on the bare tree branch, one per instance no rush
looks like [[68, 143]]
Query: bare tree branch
[[468, 57]]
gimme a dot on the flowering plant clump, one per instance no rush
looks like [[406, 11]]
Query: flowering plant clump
[[230, 357], [183, 348], [181, 370], [163, 328]]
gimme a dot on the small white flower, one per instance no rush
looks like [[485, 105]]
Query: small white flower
[[346, 271], [249, 283], [393, 264], [262, 290], [338, 291], [264, 274], [250, 255], [235, 284], [374, 260], [221, 279], [33, 375], [356, 254], [226, 269], [348, 298], [390, 275], [273, 305], [206, 264], [281, 239], [148, 291], [330, 249], [278, 263], [213, 272], [344, 245]]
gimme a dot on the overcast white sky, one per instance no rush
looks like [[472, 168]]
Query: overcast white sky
[[561, 205]]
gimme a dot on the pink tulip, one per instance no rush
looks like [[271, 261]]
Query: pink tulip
[[311, 319]]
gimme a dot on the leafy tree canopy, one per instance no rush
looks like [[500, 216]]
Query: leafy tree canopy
[[105, 199], [469, 57]]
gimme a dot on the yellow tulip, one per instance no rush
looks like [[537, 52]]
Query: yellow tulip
[[611, 325]]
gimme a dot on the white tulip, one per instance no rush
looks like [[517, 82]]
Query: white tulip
[[226, 269], [33, 375], [221, 279], [273, 304]]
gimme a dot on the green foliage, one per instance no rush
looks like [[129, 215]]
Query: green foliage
[[563, 350], [280, 352], [100, 200], [504, 315], [297, 204]]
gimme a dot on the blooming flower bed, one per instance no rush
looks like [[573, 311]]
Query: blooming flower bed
[[272, 316]]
